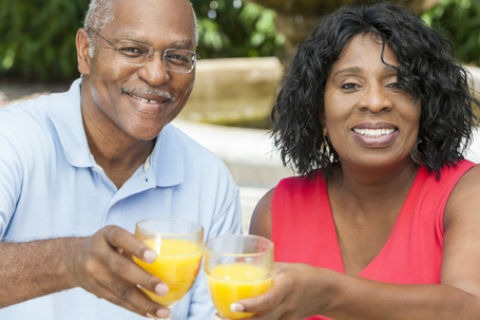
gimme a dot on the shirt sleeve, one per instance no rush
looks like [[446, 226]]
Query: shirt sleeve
[[10, 182]]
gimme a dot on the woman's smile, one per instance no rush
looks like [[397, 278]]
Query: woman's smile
[[375, 135]]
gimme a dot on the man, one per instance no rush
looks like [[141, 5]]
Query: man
[[78, 169]]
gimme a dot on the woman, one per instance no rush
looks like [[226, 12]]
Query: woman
[[383, 220]]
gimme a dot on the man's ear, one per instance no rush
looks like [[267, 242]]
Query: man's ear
[[83, 58]]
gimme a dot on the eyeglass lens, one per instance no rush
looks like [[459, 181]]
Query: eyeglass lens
[[137, 54], [177, 60]]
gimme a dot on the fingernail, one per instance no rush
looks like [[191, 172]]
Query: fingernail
[[161, 289], [163, 313], [149, 256], [237, 307]]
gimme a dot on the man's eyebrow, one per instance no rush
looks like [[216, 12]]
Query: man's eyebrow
[[183, 44], [180, 44]]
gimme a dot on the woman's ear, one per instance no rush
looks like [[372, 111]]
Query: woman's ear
[[82, 42], [321, 119]]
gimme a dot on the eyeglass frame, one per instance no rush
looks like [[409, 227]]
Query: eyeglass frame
[[150, 53]]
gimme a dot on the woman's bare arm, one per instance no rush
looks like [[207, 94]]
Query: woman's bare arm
[[301, 290], [261, 222]]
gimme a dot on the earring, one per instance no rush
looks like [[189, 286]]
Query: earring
[[325, 149], [415, 154]]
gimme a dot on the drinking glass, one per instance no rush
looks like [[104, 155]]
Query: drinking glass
[[179, 247], [237, 267]]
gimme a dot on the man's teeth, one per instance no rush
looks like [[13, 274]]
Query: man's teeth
[[374, 132], [144, 100]]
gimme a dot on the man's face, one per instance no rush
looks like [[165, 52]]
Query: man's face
[[138, 100]]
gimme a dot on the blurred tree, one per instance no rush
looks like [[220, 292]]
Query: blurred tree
[[459, 21], [236, 28], [37, 39]]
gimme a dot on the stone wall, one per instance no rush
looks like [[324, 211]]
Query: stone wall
[[232, 90], [239, 89]]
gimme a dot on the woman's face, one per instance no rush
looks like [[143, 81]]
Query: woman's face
[[368, 118]]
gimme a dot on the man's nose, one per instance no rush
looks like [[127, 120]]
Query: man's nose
[[155, 71]]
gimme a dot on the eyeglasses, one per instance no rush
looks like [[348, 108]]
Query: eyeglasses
[[138, 54]]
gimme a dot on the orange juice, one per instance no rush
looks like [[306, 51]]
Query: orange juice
[[232, 282], [177, 264]]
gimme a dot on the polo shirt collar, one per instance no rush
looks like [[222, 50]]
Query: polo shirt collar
[[167, 161], [165, 165], [66, 117]]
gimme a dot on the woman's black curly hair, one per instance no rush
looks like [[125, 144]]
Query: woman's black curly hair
[[427, 71]]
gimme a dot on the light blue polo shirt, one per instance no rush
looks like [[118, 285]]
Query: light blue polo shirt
[[50, 186]]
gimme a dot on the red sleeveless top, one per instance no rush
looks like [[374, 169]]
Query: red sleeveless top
[[303, 228]]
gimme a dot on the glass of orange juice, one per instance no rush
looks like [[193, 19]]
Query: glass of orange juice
[[179, 248], [237, 267]]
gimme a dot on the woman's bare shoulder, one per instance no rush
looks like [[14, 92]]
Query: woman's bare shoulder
[[465, 196], [260, 223]]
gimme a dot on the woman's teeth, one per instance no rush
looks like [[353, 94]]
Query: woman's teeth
[[374, 132]]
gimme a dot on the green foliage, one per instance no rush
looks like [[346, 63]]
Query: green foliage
[[235, 28], [458, 21], [37, 39]]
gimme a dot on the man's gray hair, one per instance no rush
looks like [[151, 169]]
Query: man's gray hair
[[100, 13]]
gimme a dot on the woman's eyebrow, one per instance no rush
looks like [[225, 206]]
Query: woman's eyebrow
[[347, 70]]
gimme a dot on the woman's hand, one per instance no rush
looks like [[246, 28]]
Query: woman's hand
[[293, 296]]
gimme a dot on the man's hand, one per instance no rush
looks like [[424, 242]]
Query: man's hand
[[101, 264]]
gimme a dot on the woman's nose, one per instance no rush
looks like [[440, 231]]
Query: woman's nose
[[376, 99]]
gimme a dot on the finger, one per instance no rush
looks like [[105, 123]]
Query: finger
[[124, 268], [101, 270], [118, 265], [132, 298], [267, 302], [126, 243], [256, 305]]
